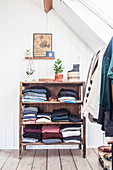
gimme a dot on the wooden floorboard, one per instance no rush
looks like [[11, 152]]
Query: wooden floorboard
[[4, 154], [26, 162], [12, 161], [67, 160], [40, 160], [92, 158], [80, 162], [52, 159], [95, 150]]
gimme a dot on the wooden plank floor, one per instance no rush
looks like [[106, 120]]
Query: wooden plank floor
[[52, 159]]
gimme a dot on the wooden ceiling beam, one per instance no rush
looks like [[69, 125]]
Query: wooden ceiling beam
[[47, 5]]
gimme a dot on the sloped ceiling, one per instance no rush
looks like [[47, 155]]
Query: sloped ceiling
[[78, 25], [39, 3]]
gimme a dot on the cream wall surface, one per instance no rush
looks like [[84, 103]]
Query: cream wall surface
[[19, 19]]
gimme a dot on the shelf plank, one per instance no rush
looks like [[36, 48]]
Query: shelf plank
[[57, 102], [37, 123], [41, 58], [40, 143], [54, 82]]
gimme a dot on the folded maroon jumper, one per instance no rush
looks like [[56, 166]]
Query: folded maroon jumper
[[32, 130], [52, 136]]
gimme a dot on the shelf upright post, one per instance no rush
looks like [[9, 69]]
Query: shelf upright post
[[20, 122]]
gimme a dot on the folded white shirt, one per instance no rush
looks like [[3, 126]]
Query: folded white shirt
[[43, 120], [71, 133]]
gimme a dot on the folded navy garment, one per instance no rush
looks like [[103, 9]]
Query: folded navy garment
[[69, 125], [32, 135], [75, 118], [60, 118], [28, 117], [59, 112], [29, 112], [72, 138], [67, 92], [34, 90]]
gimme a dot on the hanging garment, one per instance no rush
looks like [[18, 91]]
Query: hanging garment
[[92, 91], [106, 112]]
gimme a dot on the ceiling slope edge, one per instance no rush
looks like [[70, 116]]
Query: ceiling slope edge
[[79, 26]]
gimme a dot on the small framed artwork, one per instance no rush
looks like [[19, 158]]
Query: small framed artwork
[[41, 44]]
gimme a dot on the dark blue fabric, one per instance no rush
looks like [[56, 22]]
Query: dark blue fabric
[[67, 92], [29, 117], [72, 138], [34, 90], [60, 118], [28, 112]]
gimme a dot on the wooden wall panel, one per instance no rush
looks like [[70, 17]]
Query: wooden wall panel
[[3, 17], [19, 20]]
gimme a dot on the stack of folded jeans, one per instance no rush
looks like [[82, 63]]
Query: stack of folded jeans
[[51, 134], [43, 117], [71, 133], [60, 115], [67, 95], [32, 134], [29, 114], [34, 94]]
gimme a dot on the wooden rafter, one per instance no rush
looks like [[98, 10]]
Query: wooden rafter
[[47, 5]]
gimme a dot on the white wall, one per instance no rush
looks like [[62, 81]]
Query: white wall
[[18, 21]]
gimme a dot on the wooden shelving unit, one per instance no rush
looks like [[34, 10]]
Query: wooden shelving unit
[[47, 106]]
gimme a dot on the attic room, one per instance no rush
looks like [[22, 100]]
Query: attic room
[[57, 84]]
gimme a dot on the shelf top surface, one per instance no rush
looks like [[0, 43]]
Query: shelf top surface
[[40, 143], [36, 123], [41, 82], [57, 102]]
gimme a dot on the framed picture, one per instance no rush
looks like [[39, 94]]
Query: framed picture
[[41, 44]]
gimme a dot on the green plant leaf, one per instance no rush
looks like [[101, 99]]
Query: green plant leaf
[[58, 66]]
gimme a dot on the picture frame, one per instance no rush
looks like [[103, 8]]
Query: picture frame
[[42, 42]]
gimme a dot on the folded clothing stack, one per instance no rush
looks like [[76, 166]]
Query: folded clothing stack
[[60, 115], [29, 114], [67, 95], [75, 118], [32, 134], [71, 133], [34, 94], [43, 117], [51, 134]]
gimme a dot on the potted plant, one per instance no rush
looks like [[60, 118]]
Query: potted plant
[[58, 70]]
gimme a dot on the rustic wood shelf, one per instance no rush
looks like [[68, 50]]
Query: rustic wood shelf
[[40, 143], [50, 123], [53, 89], [49, 102], [80, 83], [40, 58]]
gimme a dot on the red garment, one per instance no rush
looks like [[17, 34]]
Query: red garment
[[32, 130], [52, 136], [27, 120], [50, 129]]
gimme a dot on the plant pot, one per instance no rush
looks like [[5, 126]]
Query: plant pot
[[59, 77]]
